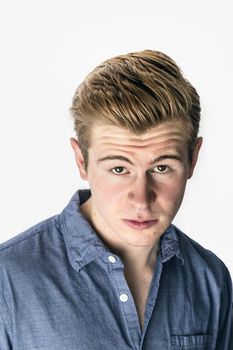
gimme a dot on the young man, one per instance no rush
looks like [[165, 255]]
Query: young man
[[111, 271]]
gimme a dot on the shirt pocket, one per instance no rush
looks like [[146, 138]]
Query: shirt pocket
[[190, 342]]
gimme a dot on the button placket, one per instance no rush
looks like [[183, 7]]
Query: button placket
[[126, 302]]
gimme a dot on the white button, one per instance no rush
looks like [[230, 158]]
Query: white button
[[124, 298], [112, 259]]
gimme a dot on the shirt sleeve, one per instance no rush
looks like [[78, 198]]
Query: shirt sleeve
[[225, 334], [5, 326]]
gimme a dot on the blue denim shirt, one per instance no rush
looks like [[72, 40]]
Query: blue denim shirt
[[61, 288]]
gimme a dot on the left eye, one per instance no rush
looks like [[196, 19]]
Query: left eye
[[161, 169], [119, 170]]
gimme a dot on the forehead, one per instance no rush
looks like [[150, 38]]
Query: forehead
[[169, 134]]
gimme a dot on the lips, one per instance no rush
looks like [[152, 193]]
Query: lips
[[140, 224]]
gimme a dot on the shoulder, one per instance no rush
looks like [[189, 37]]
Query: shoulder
[[27, 243], [201, 259], [22, 260], [28, 257]]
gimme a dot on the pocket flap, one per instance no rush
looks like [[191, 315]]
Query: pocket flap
[[199, 342]]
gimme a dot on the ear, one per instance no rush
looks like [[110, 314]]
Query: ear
[[195, 156], [79, 158]]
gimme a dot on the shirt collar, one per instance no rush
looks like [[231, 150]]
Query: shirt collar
[[84, 245], [169, 245]]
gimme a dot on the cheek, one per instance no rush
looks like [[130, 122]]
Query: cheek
[[105, 193], [171, 194]]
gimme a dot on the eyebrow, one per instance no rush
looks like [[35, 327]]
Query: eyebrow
[[125, 159], [168, 156], [156, 160]]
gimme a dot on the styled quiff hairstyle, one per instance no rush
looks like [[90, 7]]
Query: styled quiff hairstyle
[[137, 92]]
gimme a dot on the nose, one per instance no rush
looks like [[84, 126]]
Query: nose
[[141, 194]]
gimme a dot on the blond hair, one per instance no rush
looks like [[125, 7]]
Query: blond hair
[[136, 91]]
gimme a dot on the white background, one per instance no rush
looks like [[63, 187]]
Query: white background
[[48, 47]]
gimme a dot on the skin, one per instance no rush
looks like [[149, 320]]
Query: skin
[[139, 184], [140, 178]]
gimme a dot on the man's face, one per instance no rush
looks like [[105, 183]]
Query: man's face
[[137, 181]]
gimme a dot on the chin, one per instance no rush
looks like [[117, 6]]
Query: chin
[[143, 239], [142, 244]]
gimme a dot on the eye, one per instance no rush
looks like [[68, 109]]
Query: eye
[[119, 170], [161, 169]]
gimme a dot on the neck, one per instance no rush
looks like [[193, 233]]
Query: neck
[[137, 258]]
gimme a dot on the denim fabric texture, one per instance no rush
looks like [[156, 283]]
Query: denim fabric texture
[[61, 288]]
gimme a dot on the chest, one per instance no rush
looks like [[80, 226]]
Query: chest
[[95, 309], [139, 284]]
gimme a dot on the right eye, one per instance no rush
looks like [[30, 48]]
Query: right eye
[[119, 170]]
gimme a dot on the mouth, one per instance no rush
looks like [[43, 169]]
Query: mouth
[[140, 224]]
